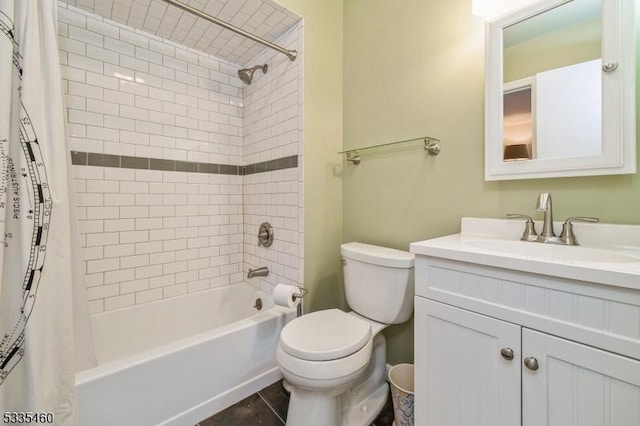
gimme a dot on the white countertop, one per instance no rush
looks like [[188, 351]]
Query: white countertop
[[580, 263]]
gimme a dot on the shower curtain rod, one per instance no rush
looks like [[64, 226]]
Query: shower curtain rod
[[291, 54]]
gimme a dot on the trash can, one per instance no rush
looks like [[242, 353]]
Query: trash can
[[401, 379]]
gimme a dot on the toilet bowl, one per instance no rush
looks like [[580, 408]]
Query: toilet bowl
[[334, 361]]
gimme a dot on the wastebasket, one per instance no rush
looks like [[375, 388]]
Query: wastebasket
[[401, 379]]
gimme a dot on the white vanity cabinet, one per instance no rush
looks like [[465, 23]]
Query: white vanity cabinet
[[574, 346]]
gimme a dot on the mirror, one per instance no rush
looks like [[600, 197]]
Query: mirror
[[560, 90]]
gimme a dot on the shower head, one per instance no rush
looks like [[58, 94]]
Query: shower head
[[246, 74]]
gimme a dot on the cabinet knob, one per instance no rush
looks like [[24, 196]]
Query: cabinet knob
[[507, 353], [531, 363]]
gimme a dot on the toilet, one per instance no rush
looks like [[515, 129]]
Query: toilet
[[335, 361]]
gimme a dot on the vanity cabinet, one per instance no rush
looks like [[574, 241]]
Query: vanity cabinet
[[499, 347]]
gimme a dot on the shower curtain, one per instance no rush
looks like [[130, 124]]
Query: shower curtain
[[44, 328]]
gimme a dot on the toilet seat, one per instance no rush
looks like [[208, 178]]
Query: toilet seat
[[325, 335], [341, 368]]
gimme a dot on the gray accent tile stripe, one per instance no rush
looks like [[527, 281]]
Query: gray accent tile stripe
[[271, 165], [79, 158], [134, 162], [104, 160]]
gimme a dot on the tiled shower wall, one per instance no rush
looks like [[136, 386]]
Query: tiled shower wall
[[273, 129], [156, 132]]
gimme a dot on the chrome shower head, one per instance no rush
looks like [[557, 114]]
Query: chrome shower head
[[246, 74]]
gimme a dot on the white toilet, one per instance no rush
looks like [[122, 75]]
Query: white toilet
[[335, 362]]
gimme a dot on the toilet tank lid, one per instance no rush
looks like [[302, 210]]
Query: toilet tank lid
[[382, 256]]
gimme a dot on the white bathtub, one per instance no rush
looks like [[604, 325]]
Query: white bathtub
[[180, 360]]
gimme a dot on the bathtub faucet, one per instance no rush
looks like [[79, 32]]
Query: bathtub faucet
[[258, 272]]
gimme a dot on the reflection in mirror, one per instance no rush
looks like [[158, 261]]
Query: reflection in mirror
[[552, 83], [560, 90], [517, 131]]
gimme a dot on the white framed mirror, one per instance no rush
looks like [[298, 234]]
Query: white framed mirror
[[560, 90]]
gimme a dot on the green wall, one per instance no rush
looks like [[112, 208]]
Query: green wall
[[571, 45], [416, 68]]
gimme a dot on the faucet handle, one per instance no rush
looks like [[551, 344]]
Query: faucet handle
[[567, 236], [529, 233]]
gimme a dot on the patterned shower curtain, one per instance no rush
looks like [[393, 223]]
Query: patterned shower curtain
[[43, 313]]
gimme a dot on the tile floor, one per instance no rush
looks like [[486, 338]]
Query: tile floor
[[268, 407]]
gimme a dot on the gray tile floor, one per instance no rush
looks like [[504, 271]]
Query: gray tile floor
[[269, 407]]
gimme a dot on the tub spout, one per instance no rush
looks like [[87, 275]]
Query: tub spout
[[258, 272]]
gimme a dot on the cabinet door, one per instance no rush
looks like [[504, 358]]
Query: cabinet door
[[461, 377], [577, 385]]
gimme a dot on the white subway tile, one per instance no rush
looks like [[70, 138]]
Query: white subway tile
[[135, 261], [149, 295], [119, 200], [133, 88], [162, 257], [174, 63], [118, 302], [102, 291], [85, 36], [117, 148], [85, 90], [148, 271], [119, 122], [189, 226], [103, 265], [174, 290], [72, 17], [134, 138], [119, 97], [89, 200], [102, 81], [90, 226], [134, 113], [119, 46], [134, 63], [102, 213], [148, 79], [134, 211], [104, 28], [118, 276], [133, 38], [148, 56], [150, 223], [133, 236], [72, 46], [119, 250], [101, 54]]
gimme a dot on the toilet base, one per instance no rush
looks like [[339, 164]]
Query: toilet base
[[313, 408], [366, 411], [356, 405]]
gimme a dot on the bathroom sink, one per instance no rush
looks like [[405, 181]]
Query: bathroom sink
[[609, 253], [551, 252]]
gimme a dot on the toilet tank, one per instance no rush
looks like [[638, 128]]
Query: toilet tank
[[378, 282]]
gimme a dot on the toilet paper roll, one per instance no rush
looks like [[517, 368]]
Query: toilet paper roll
[[283, 295]]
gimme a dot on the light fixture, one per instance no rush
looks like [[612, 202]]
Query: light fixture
[[489, 8], [516, 152]]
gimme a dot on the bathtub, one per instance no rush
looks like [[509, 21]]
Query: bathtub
[[180, 360]]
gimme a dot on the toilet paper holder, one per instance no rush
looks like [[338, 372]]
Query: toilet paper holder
[[303, 292]]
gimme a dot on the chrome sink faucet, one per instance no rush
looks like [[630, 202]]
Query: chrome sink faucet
[[547, 235], [544, 204]]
